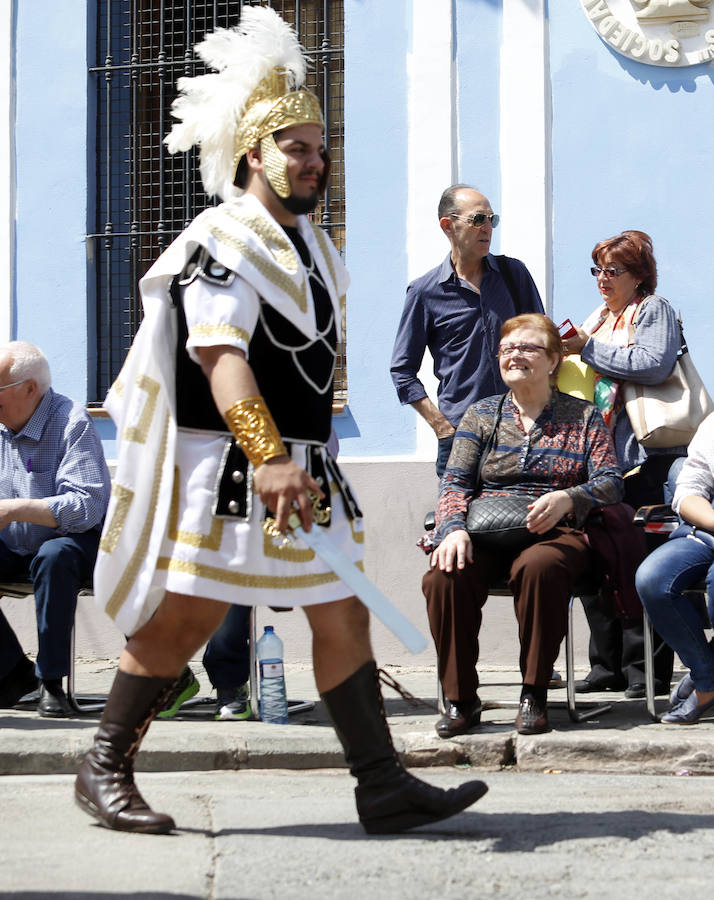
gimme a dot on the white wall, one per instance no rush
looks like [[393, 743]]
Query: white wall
[[7, 170]]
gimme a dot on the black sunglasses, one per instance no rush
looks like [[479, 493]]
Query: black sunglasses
[[477, 219]]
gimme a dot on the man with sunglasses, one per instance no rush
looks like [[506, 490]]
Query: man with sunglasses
[[54, 493], [456, 310]]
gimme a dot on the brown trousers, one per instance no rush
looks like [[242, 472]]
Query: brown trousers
[[541, 578]]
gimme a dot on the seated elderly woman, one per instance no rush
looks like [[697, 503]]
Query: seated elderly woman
[[548, 446], [664, 578]]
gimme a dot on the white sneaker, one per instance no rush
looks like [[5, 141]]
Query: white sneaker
[[232, 703]]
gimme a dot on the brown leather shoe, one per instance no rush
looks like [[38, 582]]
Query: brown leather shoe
[[531, 719], [459, 718]]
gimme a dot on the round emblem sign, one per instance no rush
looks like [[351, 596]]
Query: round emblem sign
[[655, 32]]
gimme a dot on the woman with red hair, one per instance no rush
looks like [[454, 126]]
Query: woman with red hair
[[634, 336]]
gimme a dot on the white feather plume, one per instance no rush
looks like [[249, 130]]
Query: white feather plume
[[209, 107]]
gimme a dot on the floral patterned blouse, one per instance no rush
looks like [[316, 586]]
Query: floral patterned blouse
[[568, 448]]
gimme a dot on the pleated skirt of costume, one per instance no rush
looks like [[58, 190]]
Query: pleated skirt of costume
[[232, 559]]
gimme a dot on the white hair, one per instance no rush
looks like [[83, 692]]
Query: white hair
[[28, 362]]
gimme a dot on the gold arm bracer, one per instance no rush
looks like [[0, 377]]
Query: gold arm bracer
[[255, 430]]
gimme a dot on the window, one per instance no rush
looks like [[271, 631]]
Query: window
[[144, 196]]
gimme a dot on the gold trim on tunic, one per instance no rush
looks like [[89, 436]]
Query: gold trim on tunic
[[112, 533], [287, 553], [210, 541], [245, 579], [121, 592], [321, 238], [272, 272], [137, 433], [277, 243], [223, 330]]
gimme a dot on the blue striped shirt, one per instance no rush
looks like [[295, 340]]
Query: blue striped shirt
[[56, 457]]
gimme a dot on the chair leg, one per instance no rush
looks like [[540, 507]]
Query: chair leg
[[83, 704], [253, 665], [649, 668], [588, 711]]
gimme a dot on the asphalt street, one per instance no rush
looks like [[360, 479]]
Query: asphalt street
[[278, 834]]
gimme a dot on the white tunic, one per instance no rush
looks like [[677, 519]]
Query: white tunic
[[160, 532]]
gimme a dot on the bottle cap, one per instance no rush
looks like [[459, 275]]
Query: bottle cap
[[269, 628]]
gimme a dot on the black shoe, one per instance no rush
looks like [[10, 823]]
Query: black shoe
[[531, 718], [20, 680], [587, 686], [53, 703], [459, 718], [637, 691]]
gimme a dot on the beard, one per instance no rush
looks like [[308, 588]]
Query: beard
[[298, 206]]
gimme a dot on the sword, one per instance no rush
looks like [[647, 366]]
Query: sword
[[356, 580]]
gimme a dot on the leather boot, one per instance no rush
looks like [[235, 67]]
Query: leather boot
[[105, 783], [389, 799]]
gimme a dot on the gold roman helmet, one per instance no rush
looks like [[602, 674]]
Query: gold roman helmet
[[271, 107], [256, 91]]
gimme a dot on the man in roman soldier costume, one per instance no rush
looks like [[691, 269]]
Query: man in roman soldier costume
[[223, 412]]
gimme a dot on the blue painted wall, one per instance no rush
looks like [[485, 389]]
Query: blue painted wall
[[478, 47], [632, 148], [376, 46], [51, 153], [375, 164]]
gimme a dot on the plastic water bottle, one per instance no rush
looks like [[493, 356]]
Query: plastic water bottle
[[273, 705]]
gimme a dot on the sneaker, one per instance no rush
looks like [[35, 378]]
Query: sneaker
[[232, 703], [186, 686]]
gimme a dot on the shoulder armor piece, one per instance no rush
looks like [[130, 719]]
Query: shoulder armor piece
[[202, 265]]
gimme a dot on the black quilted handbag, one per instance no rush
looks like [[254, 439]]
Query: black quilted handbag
[[498, 522]]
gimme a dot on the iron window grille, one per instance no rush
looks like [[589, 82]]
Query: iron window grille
[[145, 197]]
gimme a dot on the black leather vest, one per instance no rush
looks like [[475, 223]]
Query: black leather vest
[[294, 374]]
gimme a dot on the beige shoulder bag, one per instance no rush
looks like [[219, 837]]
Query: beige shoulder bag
[[667, 414]]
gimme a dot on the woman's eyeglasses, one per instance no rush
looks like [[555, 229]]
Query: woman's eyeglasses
[[526, 349], [477, 219], [610, 271]]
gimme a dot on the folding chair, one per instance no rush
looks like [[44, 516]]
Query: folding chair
[[80, 704], [660, 519]]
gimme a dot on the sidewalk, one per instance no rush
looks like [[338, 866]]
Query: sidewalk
[[624, 740]]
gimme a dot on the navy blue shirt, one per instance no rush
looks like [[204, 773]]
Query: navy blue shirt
[[462, 329]]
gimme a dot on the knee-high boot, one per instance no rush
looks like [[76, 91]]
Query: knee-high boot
[[105, 783], [389, 799]]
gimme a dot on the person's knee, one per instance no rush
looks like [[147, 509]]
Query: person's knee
[[347, 618], [185, 623], [55, 558], [648, 580]]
